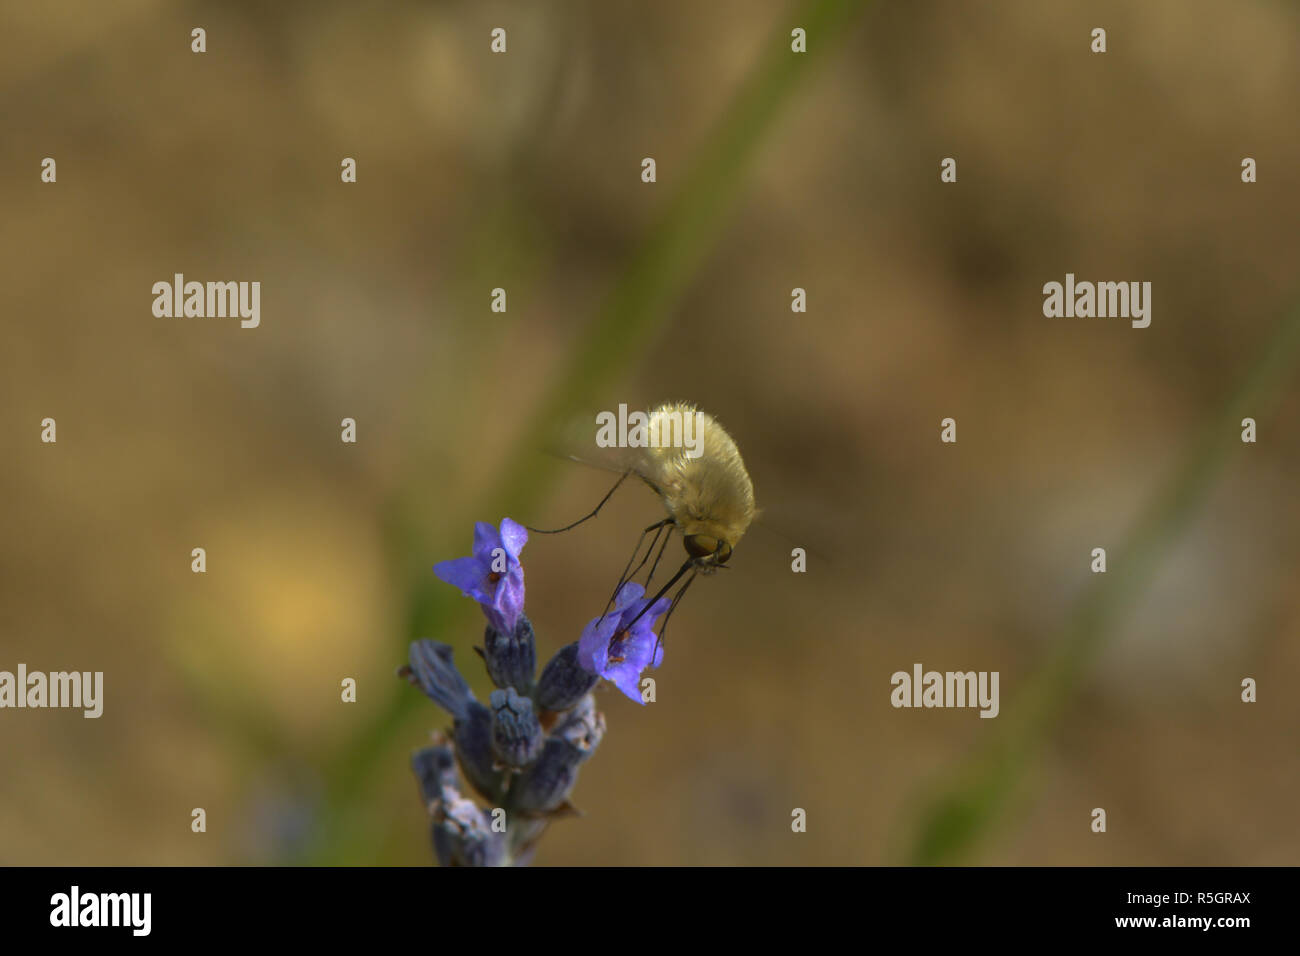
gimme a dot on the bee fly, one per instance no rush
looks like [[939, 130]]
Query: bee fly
[[708, 495]]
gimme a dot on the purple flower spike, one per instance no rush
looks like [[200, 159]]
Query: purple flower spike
[[619, 650], [492, 575]]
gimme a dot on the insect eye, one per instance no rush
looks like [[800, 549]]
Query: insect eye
[[724, 552], [700, 545]]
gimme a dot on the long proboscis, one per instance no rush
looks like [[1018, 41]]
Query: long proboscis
[[690, 564]]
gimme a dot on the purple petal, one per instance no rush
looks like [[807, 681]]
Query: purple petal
[[513, 536], [508, 600], [468, 574], [627, 679], [647, 620], [636, 651], [639, 648], [593, 645], [486, 538], [628, 594]]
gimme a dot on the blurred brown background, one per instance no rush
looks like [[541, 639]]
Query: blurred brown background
[[523, 171]]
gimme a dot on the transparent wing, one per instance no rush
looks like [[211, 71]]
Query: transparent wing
[[578, 444]]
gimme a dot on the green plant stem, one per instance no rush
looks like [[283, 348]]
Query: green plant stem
[[969, 804], [636, 308]]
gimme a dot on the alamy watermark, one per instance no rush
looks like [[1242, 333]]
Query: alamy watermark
[[75, 689], [212, 300], [1125, 300], [948, 689], [75, 908], [669, 428]]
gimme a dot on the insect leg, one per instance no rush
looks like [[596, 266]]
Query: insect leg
[[609, 494], [666, 523], [651, 576], [657, 528], [690, 563], [677, 599]]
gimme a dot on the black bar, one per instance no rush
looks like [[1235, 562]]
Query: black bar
[[305, 905]]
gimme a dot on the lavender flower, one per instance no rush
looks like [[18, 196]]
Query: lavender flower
[[522, 753], [564, 681], [492, 575], [478, 760], [516, 732], [621, 644], [435, 768], [431, 667], [463, 836], [511, 658], [461, 833], [546, 785]]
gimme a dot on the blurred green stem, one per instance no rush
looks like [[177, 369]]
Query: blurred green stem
[[969, 804], [638, 305]]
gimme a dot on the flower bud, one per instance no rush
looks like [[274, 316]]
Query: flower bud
[[473, 737], [583, 727], [564, 681], [463, 836], [511, 660], [432, 667], [547, 783], [516, 733], [435, 768]]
